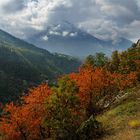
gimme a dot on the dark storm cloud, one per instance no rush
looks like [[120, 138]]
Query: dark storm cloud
[[13, 6], [107, 19]]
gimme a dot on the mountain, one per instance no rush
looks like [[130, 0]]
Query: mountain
[[67, 39], [23, 65]]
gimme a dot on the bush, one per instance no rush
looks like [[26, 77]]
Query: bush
[[89, 129]]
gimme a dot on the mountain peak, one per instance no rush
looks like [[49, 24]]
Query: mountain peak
[[64, 24], [63, 29], [64, 37]]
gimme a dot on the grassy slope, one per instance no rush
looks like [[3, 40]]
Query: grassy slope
[[122, 121]]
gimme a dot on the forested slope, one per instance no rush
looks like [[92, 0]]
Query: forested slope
[[23, 65]]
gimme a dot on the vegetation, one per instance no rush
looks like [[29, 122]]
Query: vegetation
[[121, 121], [23, 65], [100, 101], [72, 109]]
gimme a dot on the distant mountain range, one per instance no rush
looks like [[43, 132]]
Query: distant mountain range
[[23, 65], [67, 39]]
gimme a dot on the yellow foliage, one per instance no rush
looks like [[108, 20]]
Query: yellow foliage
[[134, 123]]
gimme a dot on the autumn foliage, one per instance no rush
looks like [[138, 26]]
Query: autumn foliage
[[59, 111], [23, 121], [98, 86]]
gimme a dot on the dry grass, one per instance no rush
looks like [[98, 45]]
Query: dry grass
[[122, 122], [123, 135]]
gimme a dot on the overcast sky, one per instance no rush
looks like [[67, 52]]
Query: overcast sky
[[106, 19]]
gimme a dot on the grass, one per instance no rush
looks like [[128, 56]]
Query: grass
[[122, 120]]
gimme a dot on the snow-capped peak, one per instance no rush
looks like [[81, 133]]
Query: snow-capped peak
[[64, 29]]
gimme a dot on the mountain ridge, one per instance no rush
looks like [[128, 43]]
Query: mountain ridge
[[66, 38], [23, 65]]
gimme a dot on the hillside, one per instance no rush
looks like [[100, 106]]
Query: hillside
[[23, 65], [122, 120], [96, 102]]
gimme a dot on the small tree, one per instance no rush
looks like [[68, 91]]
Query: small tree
[[23, 121], [97, 60], [115, 61], [64, 114], [98, 86]]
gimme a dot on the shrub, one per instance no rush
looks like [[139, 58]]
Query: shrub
[[89, 129]]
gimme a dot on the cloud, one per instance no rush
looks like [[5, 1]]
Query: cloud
[[124, 11], [73, 34], [54, 33], [45, 38], [106, 19], [132, 30], [65, 33], [11, 6]]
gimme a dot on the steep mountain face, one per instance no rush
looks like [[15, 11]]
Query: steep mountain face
[[67, 39], [23, 65]]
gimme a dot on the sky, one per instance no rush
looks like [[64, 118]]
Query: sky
[[105, 19]]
